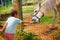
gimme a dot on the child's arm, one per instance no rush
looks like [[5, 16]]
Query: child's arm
[[1, 30], [26, 21]]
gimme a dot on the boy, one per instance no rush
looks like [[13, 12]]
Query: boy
[[11, 25]]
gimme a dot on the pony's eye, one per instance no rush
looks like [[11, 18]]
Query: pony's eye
[[35, 11]]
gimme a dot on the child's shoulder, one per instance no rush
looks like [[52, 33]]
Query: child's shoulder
[[17, 19], [11, 18]]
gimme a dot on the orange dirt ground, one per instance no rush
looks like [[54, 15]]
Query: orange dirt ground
[[38, 29]]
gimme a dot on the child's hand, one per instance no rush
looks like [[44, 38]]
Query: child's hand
[[27, 23]]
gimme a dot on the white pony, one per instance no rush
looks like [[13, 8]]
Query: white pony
[[46, 6]]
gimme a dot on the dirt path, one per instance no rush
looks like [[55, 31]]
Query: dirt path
[[38, 29]]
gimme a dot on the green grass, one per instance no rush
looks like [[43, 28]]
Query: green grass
[[28, 36], [28, 9], [46, 19], [5, 9]]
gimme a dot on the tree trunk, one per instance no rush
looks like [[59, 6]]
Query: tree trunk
[[17, 6]]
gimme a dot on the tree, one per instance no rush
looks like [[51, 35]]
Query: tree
[[17, 5]]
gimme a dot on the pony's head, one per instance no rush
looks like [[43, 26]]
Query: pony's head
[[38, 15]]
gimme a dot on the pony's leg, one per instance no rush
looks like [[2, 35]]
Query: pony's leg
[[58, 9], [54, 17], [54, 20], [53, 23]]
